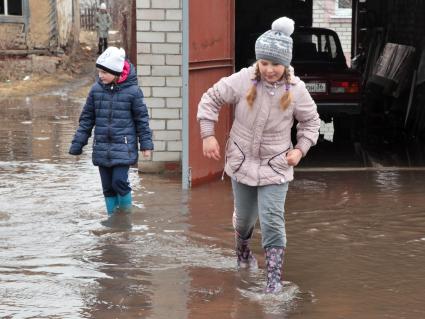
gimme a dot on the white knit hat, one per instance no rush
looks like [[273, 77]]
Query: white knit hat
[[276, 44], [112, 60], [103, 6]]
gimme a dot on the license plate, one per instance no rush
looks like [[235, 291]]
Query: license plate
[[316, 87]]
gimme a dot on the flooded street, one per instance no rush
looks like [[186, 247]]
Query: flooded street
[[356, 237]]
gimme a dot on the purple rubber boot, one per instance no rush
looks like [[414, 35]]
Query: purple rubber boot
[[274, 262], [244, 255]]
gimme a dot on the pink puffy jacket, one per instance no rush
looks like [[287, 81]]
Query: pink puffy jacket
[[261, 135]]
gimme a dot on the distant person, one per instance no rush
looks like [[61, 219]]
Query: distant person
[[103, 23], [116, 110], [259, 155]]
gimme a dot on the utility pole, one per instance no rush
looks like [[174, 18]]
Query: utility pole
[[75, 27]]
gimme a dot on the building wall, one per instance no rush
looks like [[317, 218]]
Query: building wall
[[44, 24], [325, 16], [39, 30], [12, 36], [64, 21], [159, 58], [13, 29]]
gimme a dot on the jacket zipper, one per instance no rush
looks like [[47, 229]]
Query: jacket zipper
[[258, 170], [110, 121], [225, 158]]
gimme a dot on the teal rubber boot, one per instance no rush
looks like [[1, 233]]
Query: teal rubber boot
[[111, 204], [125, 203]]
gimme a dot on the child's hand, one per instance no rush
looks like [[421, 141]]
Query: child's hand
[[293, 157], [146, 153], [211, 148], [75, 149]]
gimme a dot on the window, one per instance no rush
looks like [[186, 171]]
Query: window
[[11, 7], [315, 47], [343, 8], [327, 46]]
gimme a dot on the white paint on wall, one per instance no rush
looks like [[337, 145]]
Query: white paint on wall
[[64, 21]]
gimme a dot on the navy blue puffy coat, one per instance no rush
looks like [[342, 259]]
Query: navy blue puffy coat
[[121, 120]]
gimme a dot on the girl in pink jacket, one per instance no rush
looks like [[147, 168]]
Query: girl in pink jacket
[[259, 155]]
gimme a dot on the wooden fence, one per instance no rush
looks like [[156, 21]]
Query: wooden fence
[[88, 18]]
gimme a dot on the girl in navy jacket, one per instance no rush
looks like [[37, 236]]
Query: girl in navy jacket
[[116, 110]]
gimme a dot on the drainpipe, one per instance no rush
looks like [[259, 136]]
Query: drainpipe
[[26, 14], [53, 20], [186, 175], [75, 37]]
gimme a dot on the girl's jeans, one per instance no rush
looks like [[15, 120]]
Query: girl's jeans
[[266, 203], [115, 180]]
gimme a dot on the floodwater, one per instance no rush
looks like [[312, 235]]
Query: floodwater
[[356, 238]]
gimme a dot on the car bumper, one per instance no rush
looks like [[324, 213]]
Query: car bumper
[[339, 108]]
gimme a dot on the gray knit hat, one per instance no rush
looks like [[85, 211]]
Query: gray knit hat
[[275, 45]]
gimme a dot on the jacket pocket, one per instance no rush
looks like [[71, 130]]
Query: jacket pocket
[[278, 163], [235, 157]]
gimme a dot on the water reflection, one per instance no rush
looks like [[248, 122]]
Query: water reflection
[[37, 128], [124, 288], [403, 154], [355, 238], [362, 242]]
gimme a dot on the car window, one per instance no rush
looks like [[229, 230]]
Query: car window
[[328, 46], [316, 47]]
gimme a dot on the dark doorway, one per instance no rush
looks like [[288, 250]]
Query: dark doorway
[[256, 17], [355, 142]]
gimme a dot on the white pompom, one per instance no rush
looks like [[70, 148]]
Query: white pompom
[[284, 25]]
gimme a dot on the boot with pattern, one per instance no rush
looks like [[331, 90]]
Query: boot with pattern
[[245, 258], [274, 261]]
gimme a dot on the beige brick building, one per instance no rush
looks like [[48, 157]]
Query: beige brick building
[[335, 15], [159, 56]]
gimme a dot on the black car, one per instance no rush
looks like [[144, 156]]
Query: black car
[[319, 61]]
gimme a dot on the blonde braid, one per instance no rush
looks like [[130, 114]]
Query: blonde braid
[[252, 93], [287, 97]]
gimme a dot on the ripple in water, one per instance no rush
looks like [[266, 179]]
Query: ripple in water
[[273, 303]]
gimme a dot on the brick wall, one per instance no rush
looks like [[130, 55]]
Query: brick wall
[[159, 58], [325, 16]]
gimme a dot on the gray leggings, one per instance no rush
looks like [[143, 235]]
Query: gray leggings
[[266, 203]]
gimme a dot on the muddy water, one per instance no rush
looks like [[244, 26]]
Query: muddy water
[[356, 239]]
